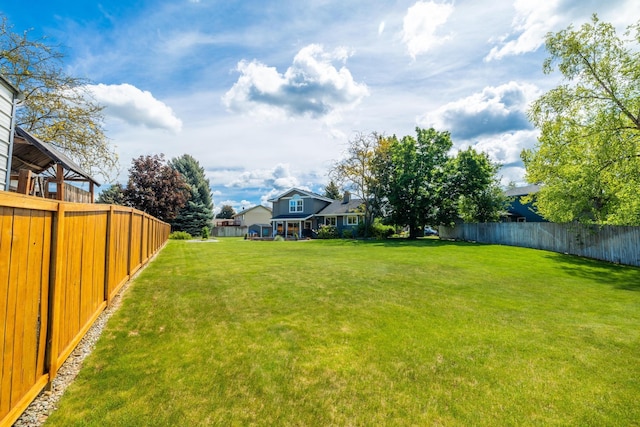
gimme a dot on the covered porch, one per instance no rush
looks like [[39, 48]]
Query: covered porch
[[39, 169], [291, 227]]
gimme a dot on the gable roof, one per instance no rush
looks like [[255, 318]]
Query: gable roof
[[304, 192], [38, 156], [242, 212], [338, 207]]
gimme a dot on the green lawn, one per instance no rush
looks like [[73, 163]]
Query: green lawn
[[366, 333]]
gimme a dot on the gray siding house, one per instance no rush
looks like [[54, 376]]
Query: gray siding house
[[300, 213]]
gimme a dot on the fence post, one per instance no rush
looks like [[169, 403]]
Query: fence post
[[108, 260], [55, 285]]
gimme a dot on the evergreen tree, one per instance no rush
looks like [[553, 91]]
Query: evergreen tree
[[332, 191], [113, 195], [197, 213]]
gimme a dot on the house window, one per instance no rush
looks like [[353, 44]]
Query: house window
[[352, 220], [331, 220], [295, 205]]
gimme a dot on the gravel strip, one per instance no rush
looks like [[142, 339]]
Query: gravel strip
[[44, 405]]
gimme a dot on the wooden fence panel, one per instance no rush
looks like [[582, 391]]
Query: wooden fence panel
[[60, 264], [25, 242], [616, 244]]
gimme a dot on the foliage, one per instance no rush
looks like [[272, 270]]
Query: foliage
[[355, 172], [413, 177], [197, 213], [588, 153], [422, 184], [473, 180], [327, 232], [226, 212], [340, 333], [114, 195], [332, 191], [278, 238], [57, 107], [156, 188], [347, 233], [205, 233], [180, 235], [377, 230]]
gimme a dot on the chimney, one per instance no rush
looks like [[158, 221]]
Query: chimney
[[346, 198]]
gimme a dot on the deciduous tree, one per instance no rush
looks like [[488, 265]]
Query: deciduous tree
[[226, 212], [156, 188], [57, 107], [588, 153], [355, 173]]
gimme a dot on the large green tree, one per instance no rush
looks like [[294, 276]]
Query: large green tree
[[475, 188], [156, 188], [57, 107], [423, 185], [197, 213], [411, 173], [588, 153]]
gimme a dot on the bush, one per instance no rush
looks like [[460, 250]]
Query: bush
[[347, 233], [206, 233], [377, 230], [327, 232], [180, 235], [278, 238]]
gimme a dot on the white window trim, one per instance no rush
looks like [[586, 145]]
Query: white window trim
[[350, 218], [332, 219], [296, 205]]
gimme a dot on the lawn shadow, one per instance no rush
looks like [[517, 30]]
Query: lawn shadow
[[619, 276], [421, 242]]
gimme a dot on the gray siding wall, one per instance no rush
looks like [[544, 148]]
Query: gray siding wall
[[608, 243], [6, 113]]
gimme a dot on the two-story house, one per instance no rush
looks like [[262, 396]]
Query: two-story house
[[300, 213]]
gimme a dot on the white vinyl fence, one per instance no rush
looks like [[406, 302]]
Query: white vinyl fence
[[615, 244]]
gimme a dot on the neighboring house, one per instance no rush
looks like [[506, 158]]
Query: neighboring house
[[301, 213], [255, 215], [257, 220], [518, 211]]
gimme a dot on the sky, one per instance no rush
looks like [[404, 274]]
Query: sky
[[267, 94]]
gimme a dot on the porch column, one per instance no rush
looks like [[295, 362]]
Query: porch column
[[59, 182]]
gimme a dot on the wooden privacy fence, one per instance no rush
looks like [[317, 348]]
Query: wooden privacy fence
[[616, 244], [60, 266]]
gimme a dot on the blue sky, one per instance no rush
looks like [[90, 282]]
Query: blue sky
[[265, 94]]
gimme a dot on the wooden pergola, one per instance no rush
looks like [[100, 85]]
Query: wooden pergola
[[36, 164]]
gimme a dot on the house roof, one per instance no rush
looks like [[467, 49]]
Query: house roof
[[10, 85], [338, 207], [31, 153], [522, 191], [250, 209], [304, 192]]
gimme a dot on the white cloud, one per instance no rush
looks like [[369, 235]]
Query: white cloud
[[136, 107], [493, 110], [421, 24], [280, 178], [312, 86], [533, 20], [381, 28]]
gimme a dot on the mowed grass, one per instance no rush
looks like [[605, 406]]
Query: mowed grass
[[318, 333]]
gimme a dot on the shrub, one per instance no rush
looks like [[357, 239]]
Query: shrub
[[347, 233], [278, 238], [180, 235], [206, 233], [327, 232]]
